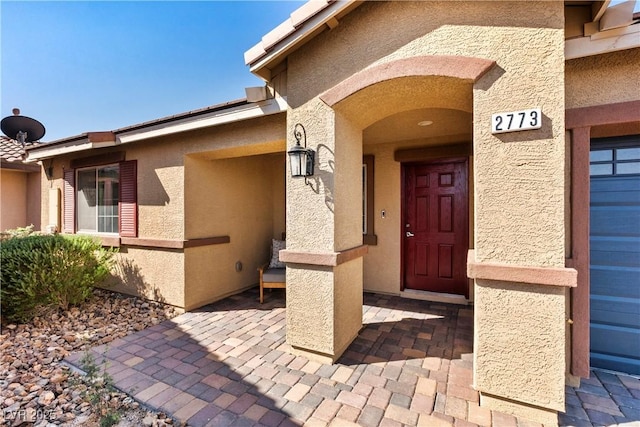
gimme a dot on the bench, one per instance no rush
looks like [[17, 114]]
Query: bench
[[271, 278]]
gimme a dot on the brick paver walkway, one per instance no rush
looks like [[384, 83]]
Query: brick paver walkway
[[228, 365], [604, 399]]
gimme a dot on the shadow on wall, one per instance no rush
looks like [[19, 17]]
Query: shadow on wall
[[127, 278], [154, 193], [324, 173]]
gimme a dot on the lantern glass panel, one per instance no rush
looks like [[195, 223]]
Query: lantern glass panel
[[296, 164]]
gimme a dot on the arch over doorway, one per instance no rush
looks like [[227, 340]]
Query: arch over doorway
[[460, 67]]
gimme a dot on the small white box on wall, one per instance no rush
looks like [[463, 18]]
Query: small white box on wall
[[53, 225]]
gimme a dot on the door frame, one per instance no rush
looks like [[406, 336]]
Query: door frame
[[584, 123], [403, 201]]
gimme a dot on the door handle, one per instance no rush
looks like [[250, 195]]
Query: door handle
[[409, 234]]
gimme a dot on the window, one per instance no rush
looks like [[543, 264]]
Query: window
[[97, 196], [607, 159], [101, 198], [368, 236]]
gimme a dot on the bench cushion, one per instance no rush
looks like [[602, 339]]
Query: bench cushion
[[274, 275]]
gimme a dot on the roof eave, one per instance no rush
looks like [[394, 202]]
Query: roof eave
[[18, 166], [176, 124], [235, 114], [291, 34], [82, 142], [603, 42]]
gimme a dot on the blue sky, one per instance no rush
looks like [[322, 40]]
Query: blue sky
[[91, 66], [101, 65]]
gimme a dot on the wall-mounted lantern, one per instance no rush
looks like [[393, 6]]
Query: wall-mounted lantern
[[301, 158]]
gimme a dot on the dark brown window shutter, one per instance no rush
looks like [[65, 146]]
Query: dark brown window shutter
[[69, 201], [128, 205]]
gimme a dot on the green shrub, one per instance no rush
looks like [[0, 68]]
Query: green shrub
[[17, 232], [49, 271]]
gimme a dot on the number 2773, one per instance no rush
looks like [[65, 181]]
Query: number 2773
[[516, 120]]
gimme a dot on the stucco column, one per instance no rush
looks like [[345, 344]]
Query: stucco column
[[324, 236], [521, 283]]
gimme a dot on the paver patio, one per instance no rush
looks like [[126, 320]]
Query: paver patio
[[228, 364]]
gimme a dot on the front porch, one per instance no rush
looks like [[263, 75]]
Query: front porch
[[228, 364]]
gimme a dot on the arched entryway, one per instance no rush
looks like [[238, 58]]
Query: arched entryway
[[415, 116]]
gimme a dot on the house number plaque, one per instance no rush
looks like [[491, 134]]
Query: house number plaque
[[514, 121]]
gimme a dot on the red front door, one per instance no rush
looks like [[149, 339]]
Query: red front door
[[435, 227]]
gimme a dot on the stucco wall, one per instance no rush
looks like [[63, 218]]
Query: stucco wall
[[315, 200], [519, 178], [160, 190], [13, 197], [315, 298], [382, 263], [480, 29], [161, 168], [520, 80], [504, 306], [34, 196], [163, 207], [236, 198], [325, 217], [347, 303], [602, 79], [157, 274]]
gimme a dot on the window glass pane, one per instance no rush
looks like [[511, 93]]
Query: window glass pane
[[97, 199], [628, 154], [86, 200], [604, 169], [627, 168], [601, 155], [108, 194]]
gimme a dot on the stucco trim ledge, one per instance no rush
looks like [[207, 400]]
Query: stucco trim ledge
[[598, 115], [460, 67], [550, 276], [173, 244], [330, 259]]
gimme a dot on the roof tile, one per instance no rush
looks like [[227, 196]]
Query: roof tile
[[11, 150], [306, 11], [277, 34]]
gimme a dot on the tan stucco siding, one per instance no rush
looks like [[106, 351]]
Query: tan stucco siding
[[13, 197], [236, 198], [519, 177], [508, 39], [347, 303], [160, 190], [503, 304], [246, 135], [348, 198], [382, 263], [161, 182], [34, 199], [519, 201], [311, 225], [401, 32], [164, 192], [505, 37], [603, 79], [316, 297], [156, 274]]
